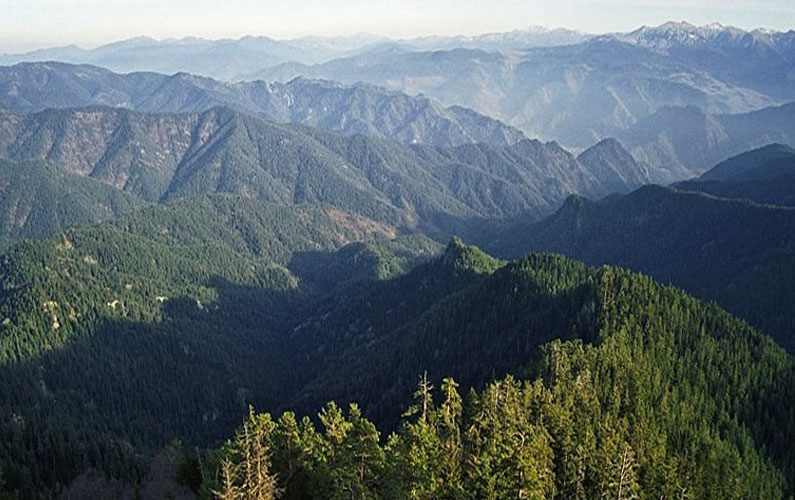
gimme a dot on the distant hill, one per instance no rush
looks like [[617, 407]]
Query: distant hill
[[765, 175], [736, 252], [349, 109], [616, 167], [762, 163]]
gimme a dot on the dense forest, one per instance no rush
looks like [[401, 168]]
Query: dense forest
[[120, 337], [570, 382], [663, 397], [733, 251]]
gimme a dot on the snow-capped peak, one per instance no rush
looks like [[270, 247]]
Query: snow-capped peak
[[675, 34]]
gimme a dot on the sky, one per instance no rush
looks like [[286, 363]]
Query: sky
[[30, 24]]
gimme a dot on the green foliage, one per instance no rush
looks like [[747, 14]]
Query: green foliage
[[671, 399], [733, 251], [581, 382], [40, 200], [188, 299]]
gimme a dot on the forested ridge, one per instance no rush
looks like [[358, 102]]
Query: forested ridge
[[734, 251], [659, 396], [163, 325]]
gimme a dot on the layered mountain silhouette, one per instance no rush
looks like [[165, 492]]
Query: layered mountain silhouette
[[356, 109], [686, 141], [162, 157], [577, 94], [227, 58]]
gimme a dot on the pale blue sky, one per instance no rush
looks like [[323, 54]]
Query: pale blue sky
[[27, 24]]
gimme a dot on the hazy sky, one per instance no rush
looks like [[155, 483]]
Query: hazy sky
[[26, 24]]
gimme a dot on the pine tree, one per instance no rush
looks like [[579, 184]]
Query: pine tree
[[246, 469]]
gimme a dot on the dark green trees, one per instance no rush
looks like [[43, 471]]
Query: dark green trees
[[666, 398]]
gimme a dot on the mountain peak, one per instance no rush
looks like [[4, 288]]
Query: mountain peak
[[614, 166], [607, 144], [676, 25], [461, 257], [675, 34]]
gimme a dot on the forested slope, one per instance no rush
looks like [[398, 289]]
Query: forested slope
[[737, 252], [118, 338], [654, 395]]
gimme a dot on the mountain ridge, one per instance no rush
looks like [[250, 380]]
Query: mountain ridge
[[728, 250], [161, 157], [349, 109]]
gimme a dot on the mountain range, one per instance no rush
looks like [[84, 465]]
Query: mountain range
[[354, 109], [215, 286], [761, 59], [551, 84], [662, 142], [225, 59], [161, 157], [578, 94]]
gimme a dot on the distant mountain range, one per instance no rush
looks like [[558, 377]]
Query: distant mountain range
[[162, 157], [760, 59], [533, 36], [216, 58], [350, 109], [578, 94], [685, 140], [646, 88], [227, 58]]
